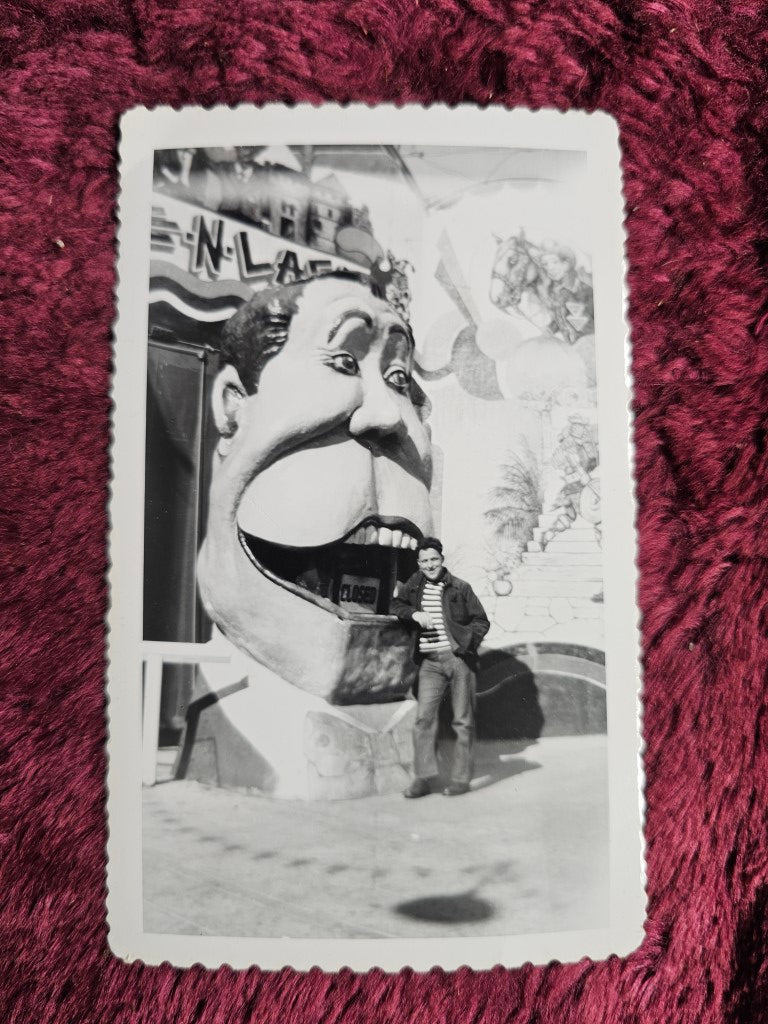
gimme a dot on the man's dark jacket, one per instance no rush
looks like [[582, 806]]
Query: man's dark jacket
[[464, 617]]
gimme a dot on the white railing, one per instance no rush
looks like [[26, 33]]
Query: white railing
[[154, 655]]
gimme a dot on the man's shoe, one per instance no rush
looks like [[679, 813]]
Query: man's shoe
[[419, 787], [456, 789]]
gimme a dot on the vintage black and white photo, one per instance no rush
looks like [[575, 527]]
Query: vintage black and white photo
[[373, 671]]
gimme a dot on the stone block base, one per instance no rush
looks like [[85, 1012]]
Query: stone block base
[[260, 733]]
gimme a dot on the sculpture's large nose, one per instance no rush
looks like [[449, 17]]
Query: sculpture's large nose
[[378, 415]]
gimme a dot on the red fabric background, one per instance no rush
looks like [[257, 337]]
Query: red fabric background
[[686, 80]]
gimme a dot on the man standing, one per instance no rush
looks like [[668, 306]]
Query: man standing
[[452, 623]]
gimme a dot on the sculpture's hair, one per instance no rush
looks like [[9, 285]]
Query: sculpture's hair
[[259, 329], [429, 543]]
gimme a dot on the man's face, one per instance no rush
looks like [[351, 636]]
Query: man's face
[[326, 467], [430, 561]]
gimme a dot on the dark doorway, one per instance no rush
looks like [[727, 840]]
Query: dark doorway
[[179, 441]]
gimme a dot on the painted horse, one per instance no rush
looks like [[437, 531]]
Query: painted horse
[[514, 272], [549, 278]]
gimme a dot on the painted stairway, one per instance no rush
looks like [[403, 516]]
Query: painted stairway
[[560, 584]]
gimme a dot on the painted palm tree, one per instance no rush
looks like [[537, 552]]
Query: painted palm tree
[[515, 506]]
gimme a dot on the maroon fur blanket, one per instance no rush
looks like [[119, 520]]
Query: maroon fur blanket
[[686, 80]]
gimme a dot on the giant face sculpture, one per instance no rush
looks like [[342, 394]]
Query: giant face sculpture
[[321, 475]]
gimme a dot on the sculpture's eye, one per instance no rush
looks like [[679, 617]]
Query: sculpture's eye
[[397, 379], [343, 362]]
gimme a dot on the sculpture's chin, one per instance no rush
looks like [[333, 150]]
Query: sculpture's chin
[[355, 575]]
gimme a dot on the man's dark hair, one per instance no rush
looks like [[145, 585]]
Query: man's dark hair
[[429, 542], [259, 329]]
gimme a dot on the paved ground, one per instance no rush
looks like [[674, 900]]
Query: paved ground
[[525, 852]]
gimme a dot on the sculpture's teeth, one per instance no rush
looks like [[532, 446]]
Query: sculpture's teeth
[[383, 536]]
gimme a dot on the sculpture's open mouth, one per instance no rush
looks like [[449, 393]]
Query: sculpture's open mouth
[[356, 574]]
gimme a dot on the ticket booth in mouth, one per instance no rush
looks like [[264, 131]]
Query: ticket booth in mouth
[[359, 573]]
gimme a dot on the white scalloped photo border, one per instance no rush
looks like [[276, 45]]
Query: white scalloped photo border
[[143, 131]]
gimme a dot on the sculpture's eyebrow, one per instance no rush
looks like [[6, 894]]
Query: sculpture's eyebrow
[[349, 314], [398, 329]]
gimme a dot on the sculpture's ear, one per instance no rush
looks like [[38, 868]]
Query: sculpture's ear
[[227, 397]]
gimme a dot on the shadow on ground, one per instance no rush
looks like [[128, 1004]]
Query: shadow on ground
[[459, 909], [495, 761], [463, 907]]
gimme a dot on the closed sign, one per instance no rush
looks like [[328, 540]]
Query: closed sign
[[359, 593]]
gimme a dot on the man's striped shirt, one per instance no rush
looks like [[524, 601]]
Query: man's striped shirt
[[435, 639]]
